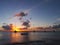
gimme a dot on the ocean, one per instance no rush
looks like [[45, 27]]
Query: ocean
[[33, 38]]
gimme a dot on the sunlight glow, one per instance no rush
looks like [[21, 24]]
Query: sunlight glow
[[15, 37], [15, 29]]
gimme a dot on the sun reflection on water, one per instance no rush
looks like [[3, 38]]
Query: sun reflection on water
[[15, 37], [18, 38]]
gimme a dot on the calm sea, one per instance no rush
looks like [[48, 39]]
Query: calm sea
[[11, 37]]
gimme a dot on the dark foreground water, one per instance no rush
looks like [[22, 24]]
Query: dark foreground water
[[33, 38]]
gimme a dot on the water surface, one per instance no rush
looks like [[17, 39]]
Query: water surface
[[11, 37]]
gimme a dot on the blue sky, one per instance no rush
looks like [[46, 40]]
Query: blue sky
[[43, 12]]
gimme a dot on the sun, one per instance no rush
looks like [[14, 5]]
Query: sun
[[16, 29]]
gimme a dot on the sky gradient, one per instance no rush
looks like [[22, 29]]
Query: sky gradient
[[43, 12]]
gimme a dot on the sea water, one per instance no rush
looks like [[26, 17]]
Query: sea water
[[11, 37]]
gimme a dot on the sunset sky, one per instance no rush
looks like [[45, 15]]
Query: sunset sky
[[43, 12]]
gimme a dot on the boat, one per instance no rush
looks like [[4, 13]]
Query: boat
[[15, 31], [24, 33]]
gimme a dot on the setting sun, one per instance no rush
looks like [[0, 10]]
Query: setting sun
[[15, 29]]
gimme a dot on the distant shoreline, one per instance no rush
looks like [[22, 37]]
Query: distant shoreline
[[30, 31]]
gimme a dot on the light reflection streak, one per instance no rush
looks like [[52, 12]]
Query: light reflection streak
[[18, 38], [15, 37]]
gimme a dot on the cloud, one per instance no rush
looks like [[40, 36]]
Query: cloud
[[58, 19], [7, 27], [26, 23], [21, 14]]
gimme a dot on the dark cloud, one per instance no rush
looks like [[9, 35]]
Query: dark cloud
[[26, 23], [56, 26], [7, 27], [21, 14]]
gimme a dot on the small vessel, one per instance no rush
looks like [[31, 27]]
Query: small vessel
[[15, 31], [24, 33]]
